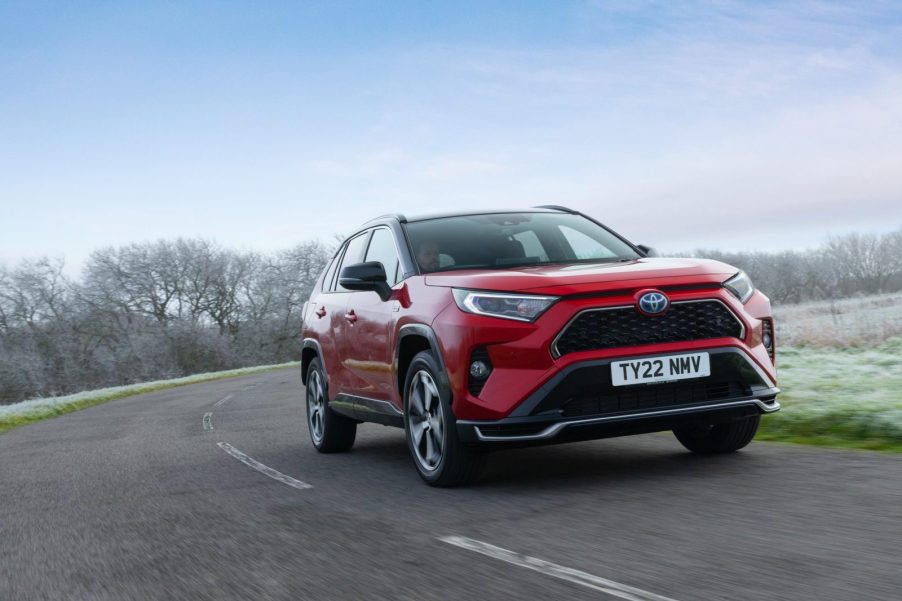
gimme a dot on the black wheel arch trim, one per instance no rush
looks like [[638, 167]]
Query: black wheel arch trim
[[423, 331], [315, 345]]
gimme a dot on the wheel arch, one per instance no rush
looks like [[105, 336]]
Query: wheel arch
[[311, 350], [413, 339]]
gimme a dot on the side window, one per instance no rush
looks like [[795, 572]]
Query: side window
[[353, 254], [330, 274], [585, 247], [383, 249]]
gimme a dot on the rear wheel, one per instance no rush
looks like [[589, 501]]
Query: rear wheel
[[712, 439], [439, 456], [329, 431]]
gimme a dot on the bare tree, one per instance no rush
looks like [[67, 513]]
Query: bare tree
[[862, 263]]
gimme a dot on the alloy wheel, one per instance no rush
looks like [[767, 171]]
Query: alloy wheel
[[316, 406], [427, 423]]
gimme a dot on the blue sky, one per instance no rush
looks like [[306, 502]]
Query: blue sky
[[739, 125]]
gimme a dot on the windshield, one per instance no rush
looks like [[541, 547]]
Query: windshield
[[504, 240]]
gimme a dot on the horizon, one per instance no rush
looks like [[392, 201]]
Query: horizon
[[73, 269]]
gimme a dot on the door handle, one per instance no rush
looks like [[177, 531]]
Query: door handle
[[351, 316], [321, 312]]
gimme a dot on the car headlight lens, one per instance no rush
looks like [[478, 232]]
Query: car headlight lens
[[521, 307], [741, 286]]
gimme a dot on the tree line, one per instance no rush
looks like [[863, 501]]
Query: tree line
[[171, 308], [150, 311], [842, 267]]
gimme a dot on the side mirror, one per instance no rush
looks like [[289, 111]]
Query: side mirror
[[649, 251], [366, 276]]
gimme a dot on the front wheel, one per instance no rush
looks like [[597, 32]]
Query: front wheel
[[713, 439], [439, 456]]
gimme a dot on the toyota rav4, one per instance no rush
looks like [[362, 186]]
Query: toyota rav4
[[507, 328]]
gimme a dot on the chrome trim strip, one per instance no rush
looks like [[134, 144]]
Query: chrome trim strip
[[556, 354], [554, 429], [367, 410], [377, 406]]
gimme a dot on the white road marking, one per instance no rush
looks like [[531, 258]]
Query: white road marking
[[208, 421], [552, 569], [263, 469], [222, 400]]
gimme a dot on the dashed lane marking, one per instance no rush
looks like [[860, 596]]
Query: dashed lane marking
[[263, 469], [222, 400], [585, 579]]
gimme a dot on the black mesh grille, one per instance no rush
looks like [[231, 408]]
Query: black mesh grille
[[652, 397], [625, 326]]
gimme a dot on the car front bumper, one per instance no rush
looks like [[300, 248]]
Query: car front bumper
[[581, 403]]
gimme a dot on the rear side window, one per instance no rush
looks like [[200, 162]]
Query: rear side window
[[353, 254], [330, 273], [382, 249]]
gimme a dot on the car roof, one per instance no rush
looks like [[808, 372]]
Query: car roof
[[426, 217]]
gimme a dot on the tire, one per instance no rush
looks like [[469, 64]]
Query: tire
[[329, 431], [718, 438], [438, 454]]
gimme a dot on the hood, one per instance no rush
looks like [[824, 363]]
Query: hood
[[560, 280]]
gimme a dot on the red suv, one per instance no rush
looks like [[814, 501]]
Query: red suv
[[510, 328]]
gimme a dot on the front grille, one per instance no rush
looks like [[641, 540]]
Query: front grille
[[652, 397], [597, 329]]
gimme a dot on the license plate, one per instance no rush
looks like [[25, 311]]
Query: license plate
[[660, 369]]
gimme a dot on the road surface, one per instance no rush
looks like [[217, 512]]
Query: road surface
[[213, 491]]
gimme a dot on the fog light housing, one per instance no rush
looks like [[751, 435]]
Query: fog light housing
[[480, 369], [767, 338]]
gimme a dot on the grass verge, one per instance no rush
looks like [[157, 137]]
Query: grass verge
[[848, 398], [26, 412]]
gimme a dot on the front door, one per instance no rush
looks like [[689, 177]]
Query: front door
[[369, 326]]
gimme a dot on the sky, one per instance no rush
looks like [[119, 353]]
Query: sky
[[742, 126]]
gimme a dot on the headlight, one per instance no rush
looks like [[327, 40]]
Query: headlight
[[521, 307], [741, 286]]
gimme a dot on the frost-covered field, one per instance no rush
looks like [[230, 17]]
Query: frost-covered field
[[35, 409], [851, 397], [840, 369], [855, 322]]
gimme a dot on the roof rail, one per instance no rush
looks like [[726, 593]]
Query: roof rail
[[397, 216], [557, 208]]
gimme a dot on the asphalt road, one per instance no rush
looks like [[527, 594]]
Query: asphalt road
[[135, 499]]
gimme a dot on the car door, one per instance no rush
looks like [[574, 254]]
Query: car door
[[319, 315], [369, 325], [334, 305]]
